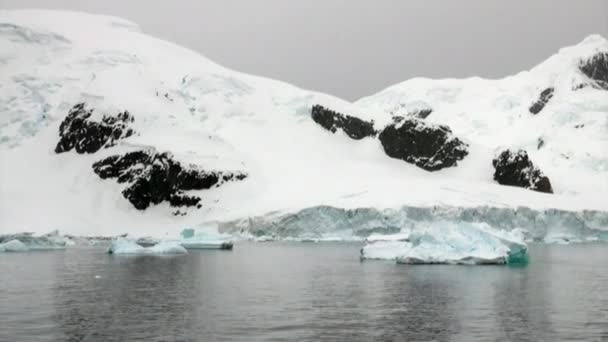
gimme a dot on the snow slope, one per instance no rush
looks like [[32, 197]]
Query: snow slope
[[220, 119]]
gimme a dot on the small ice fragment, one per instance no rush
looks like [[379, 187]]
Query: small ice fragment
[[125, 246]]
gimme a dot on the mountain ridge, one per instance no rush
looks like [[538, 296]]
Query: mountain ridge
[[209, 117]]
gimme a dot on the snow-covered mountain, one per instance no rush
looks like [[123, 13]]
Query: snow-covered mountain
[[106, 130]]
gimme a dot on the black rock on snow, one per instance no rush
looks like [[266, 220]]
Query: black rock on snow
[[431, 147], [596, 68], [157, 177], [422, 113], [79, 132], [542, 101], [516, 169], [352, 126]]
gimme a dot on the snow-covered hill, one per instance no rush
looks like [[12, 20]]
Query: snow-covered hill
[[217, 121]]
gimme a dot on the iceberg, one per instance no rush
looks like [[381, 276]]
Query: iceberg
[[125, 246], [30, 242], [201, 240], [452, 243], [13, 246]]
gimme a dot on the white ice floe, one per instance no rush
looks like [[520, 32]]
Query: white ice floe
[[125, 246], [449, 243]]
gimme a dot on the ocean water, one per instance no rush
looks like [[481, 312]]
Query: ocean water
[[300, 292]]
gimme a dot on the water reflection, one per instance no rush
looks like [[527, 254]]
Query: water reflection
[[131, 297], [304, 292], [420, 305]]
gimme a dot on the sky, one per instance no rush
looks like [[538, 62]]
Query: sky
[[354, 48]]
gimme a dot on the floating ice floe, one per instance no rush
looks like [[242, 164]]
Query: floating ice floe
[[201, 240], [125, 246], [23, 242], [451, 243]]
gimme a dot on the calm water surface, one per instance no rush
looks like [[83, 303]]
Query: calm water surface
[[303, 292]]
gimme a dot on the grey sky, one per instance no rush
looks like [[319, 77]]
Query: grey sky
[[353, 48]]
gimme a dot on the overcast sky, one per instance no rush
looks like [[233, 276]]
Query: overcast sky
[[353, 48]]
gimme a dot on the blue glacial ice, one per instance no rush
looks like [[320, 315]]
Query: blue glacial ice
[[452, 243], [130, 247], [190, 239], [23, 242], [321, 222], [13, 246]]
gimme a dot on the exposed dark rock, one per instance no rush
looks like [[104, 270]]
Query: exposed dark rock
[[352, 126], [77, 131], [422, 113], [157, 177], [540, 142], [431, 147], [542, 101], [596, 68], [516, 169]]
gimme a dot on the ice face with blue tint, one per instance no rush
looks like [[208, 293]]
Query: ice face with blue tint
[[452, 243], [202, 240], [13, 246], [23, 242]]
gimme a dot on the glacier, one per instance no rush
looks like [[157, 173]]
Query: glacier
[[303, 182], [324, 222], [23, 242], [453, 243], [13, 246]]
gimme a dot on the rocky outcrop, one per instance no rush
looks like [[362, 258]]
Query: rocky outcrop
[[421, 113], [431, 147], [157, 177], [596, 68], [516, 169], [77, 131], [332, 121], [542, 101]]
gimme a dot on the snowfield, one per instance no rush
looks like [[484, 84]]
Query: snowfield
[[218, 120]]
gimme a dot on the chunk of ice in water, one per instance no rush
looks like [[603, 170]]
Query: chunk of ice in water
[[453, 243], [125, 246], [200, 240]]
